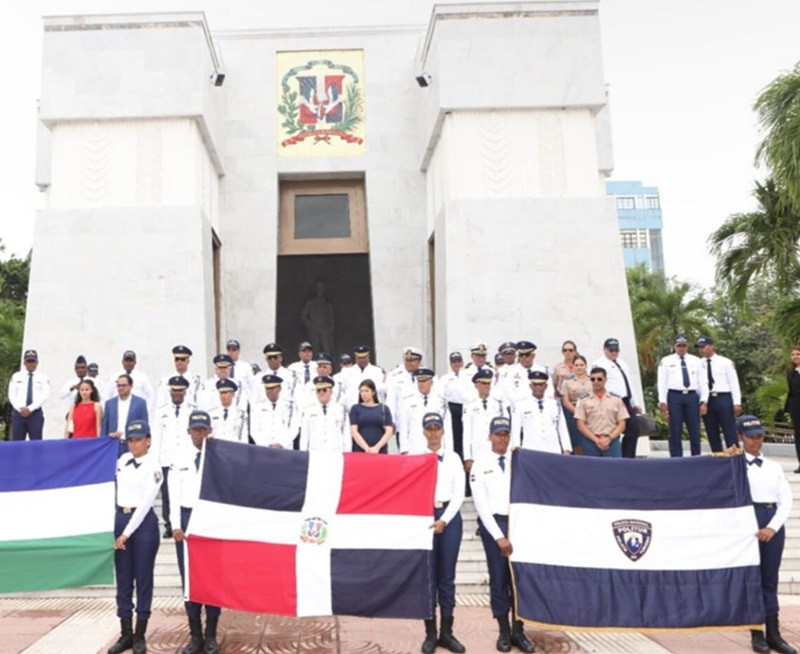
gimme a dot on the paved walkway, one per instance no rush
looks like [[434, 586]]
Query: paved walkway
[[86, 626]]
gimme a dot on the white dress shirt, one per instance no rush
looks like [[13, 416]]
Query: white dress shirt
[[123, 408], [768, 485], [230, 426], [399, 384], [453, 386], [169, 432], [274, 423], [670, 376], [477, 415], [18, 389], [450, 481], [326, 429], [615, 382], [515, 385], [542, 426], [141, 386], [355, 375], [183, 483], [138, 481], [491, 489], [194, 393], [725, 378], [412, 409]]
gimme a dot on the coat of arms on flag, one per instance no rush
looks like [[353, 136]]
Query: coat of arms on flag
[[312, 533], [320, 103]]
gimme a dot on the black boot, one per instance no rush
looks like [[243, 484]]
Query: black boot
[[519, 639], [195, 645], [758, 642], [774, 639], [504, 639], [210, 645], [447, 639], [125, 641], [429, 644], [139, 644]]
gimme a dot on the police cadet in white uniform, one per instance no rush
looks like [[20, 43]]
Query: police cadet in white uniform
[[274, 419], [325, 426], [515, 382], [307, 395], [273, 353], [136, 536], [618, 383], [194, 394], [724, 395], [241, 370], [228, 420], [772, 501], [184, 482], [416, 404], [361, 371], [28, 389], [306, 368], [400, 383], [169, 436], [448, 529], [682, 396], [537, 422], [478, 413], [452, 386], [490, 481], [345, 363], [222, 370]]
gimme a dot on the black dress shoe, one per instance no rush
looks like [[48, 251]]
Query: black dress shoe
[[167, 532], [798, 469]]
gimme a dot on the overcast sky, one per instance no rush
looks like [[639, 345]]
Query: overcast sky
[[683, 76]]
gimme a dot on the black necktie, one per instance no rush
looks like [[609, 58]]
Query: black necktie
[[541, 405], [233, 371], [307, 375], [501, 461], [758, 462], [710, 375], [177, 409], [440, 457], [133, 463], [484, 405], [274, 406], [425, 400], [628, 394], [29, 394], [225, 414], [685, 372], [197, 461], [325, 409]]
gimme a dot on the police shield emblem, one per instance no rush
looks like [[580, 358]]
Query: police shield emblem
[[633, 537]]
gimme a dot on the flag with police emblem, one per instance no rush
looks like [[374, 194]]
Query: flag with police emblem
[[626, 544], [312, 533]]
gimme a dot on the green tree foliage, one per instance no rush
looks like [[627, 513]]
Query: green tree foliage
[[778, 110], [14, 274]]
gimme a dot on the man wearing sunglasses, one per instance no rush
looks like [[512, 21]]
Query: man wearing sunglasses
[[273, 353], [601, 418], [618, 382]]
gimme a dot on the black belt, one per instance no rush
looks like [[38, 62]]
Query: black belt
[[126, 509], [717, 394], [766, 505], [683, 392], [441, 505]]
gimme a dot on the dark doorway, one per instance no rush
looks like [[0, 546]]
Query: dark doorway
[[303, 304]]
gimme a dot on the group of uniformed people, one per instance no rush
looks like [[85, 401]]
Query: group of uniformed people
[[471, 417]]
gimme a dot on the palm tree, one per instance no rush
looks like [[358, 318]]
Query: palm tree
[[778, 109], [759, 244]]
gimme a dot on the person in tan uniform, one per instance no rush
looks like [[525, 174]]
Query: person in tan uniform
[[601, 418], [572, 390], [563, 370]]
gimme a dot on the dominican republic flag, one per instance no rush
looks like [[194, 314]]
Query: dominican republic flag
[[56, 513], [626, 544], [312, 533]]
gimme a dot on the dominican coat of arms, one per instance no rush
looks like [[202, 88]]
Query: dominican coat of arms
[[321, 103]]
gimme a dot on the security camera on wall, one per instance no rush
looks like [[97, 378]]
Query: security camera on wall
[[423, 80]]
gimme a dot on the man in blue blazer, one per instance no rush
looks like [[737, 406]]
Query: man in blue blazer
[[121, 410]]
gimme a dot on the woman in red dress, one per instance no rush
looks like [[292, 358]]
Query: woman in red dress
[[85, 416]]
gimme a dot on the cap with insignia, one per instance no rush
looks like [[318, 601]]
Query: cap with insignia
[[181, 352], [271, 381], [750, 426], [704, 340], [225, 385], [412, 353], [233, 344], [93, 367], [199, 418], [498, 359], [525, 347], [362, 350], [324, 357], [499, 425], [178, 383], [305, 345], [421, 374], [345, 358], [479, 348], [137, 429], [323, 381], [680, 339], [129, 354], [456, 356], [272, 349], [31, 355], [484, 375], [508, 346], [81, 359], [537, 376], [611, 344], [223, 361], [432, 419]]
